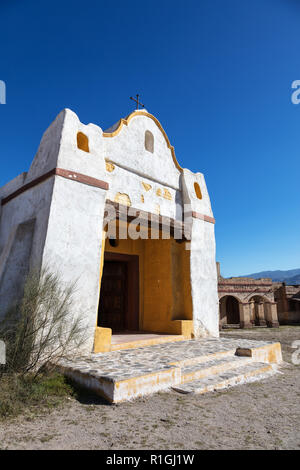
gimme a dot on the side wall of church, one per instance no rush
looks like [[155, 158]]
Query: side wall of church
[[73, 245], [203, 273], [204, 280], [74, 236], [23, 228]]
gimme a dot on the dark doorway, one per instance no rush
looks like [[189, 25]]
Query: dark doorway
[[232, 310], [119, 294], [112, 305]]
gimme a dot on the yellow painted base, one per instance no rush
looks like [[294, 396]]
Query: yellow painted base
[[265, 357], [146, 342], [179, 330], [184, 328], [242, 378], [173, 327], [102, 341], [213, 370], [146, 384], [270, 353]]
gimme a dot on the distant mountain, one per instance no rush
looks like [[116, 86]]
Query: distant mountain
[[292, 281], [292, 276]]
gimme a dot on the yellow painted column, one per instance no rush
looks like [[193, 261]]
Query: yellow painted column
[[102, 339]]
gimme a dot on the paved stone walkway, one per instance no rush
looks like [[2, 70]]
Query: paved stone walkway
[[121, 365]]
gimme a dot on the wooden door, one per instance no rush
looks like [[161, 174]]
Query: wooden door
[[113, 296]]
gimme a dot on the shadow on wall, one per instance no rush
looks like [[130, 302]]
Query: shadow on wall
[[14, 265]]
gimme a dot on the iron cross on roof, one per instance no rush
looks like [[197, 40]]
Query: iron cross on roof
[[138, 103]]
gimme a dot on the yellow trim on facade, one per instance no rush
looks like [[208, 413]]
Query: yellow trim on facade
[[141, 343], [126, 121]]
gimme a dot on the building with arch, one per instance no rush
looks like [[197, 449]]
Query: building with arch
[[288, 303], [115, 211], [246, 302]]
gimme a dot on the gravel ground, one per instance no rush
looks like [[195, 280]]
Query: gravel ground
[[260, 415]]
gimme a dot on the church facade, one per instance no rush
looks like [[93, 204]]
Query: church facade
[[116, 213]]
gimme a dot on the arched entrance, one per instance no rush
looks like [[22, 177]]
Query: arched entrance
[[229, 310]]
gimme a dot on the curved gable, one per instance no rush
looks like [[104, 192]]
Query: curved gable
[[126, 145]]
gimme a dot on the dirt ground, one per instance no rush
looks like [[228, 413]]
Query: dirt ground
[[260, 415]]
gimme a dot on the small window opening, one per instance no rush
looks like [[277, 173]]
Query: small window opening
[[82, 142], [149, 141], [197, 190]]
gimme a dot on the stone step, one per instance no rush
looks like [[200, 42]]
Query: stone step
[[143, 341], [228, 326], [219, 355], [212, 367], [126, 374], [243, 374]]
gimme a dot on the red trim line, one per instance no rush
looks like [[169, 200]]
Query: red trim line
[[241, 285], [74, 176], [71, 175], [206, 218], [244, 291]]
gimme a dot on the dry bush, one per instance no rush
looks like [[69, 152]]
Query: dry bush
[[40, 329]]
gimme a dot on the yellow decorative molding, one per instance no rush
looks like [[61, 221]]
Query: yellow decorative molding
[[146, 186], [126, 121], [167, 194], [123, 198], [142, 198], [110, 167]]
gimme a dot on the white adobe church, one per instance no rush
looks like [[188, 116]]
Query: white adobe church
[[55, 213]]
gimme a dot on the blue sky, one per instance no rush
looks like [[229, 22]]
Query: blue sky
[[216, 73]]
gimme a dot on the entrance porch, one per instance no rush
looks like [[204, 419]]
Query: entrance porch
[[195, 366], [145, 292]]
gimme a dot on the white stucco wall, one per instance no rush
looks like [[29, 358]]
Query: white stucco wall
[[202, 206], [74, 234], [32, 205], [58, 148], [204, 280], [127, 149], [73, 245], [151, 200]]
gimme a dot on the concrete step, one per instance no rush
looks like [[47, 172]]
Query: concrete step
[[229, 326], [142, 341], [219, 355], [243, 374], [212, 367], [194, 366]]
